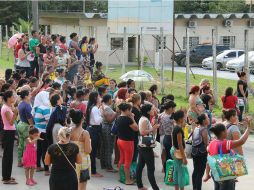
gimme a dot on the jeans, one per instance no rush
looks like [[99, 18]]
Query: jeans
[[7, 161], [94, 132], [35, 65], [42, 147], [135, 154], [199, 164], [209, 114], [240, 117], [146, 156], [167, 143], [224, 185]]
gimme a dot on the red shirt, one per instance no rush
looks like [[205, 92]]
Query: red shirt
[[230, 103], [17, 47], [81, 107], [213, 147]]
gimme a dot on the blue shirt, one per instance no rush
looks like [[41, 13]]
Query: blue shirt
[[41, 117], [25, 111]]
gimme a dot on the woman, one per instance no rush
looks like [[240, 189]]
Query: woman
[[9, 115], [166, 123], [62, 156], [195, 103], [23, 63], [229, 101], [83, 46], [178, 149], [92, 48], [26, 122], [107, 146], [94, 120], [154, 90], [126, 126], [62, 44], [98, 76], [112, 87], [41, 113], [220, 132], [57, 119], [233, 132], [74, 44], [61, 61], [81, 137], [78, 103], [73, 65], [146, 154], [199, 153], [80, 76], [242, 93], [136, 102]]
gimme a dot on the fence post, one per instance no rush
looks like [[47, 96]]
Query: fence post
[[6, 32], [141, 56], [246, 57], [161, 60], [215, 82], [13, 30], [187, 61], [107, 48], [124, 45], [1, 41], [46, 30], [20, 28]]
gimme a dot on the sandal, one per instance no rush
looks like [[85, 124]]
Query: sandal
[[132, 183], [11, 179], [97, 175], [10, 182], [112, 170]]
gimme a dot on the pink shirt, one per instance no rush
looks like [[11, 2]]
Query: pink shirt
[[213, 147], [7, 125]]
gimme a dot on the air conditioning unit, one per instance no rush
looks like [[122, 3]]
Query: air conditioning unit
[[228, 23], [192, 24], [251, 23]]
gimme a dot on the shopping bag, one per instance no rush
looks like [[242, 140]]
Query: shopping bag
[[227, 166], [133, 169], [169, 178]]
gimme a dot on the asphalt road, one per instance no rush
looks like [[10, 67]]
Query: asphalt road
[[111, 180]]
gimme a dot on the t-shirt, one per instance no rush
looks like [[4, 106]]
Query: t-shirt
[[59, 162], [124, 131], [33, 42], [107, 112], [166, 123], [17, 47], [25, 111], [230, 102], [230, 130], [43, 49], [7, 125], [213, 147], [206, 98], [95, 117], [79, 106], [60, 80], [177, 130], [41, 117], [137, 114], [241, 82]]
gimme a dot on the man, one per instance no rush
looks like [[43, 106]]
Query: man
[[33, 46]]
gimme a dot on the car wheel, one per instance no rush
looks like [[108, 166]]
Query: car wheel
[[182, 62], [219, 66]]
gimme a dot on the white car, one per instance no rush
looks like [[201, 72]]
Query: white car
[[237, 64], [221, 59]]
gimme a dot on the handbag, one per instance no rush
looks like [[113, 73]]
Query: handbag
[[114, 128], [227, 166], [148, 140]]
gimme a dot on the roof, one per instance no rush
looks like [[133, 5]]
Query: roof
[[215, 16], [77, 14]]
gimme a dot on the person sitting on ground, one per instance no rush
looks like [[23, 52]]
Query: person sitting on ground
[[98, 77], [61, 76]]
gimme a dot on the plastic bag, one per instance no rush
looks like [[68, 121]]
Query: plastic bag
[[132, 172]]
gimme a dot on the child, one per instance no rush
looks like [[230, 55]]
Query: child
[[52, 73], [61, 76], [177, 151], [48, 57], [98, 77], [29, 156], [87, 77]]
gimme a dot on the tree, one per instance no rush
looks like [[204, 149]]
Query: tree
[[24, 24]]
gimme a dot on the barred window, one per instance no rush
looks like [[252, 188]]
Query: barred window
[[193, 41], [228, 41], [116, 43]]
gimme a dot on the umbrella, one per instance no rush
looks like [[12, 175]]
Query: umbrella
[[13, 40], [137, 75]]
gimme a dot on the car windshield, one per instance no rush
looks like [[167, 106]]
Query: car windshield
[[251, 54]]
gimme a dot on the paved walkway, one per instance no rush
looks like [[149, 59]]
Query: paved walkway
[[111, 180]]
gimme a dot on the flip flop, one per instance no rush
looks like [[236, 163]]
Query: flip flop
[[133, 183], [112, 170], [10, 182], [11, 179]]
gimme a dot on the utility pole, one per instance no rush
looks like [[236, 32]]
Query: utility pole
[[187, 62], [161, 60], [141, 56], [35, 13], [215, 82], [246, 57], [124, 49], [108, 49], [173, 56]]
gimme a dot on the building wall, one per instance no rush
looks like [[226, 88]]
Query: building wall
[[204, 31]]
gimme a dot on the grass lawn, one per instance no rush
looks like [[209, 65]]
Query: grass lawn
[[177, 88]]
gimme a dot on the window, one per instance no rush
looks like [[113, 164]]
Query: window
[[193, 41], [231, 55], [228, 41], [116, 43], [158, 43], [240, 53]]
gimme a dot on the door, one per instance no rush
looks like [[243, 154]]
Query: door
[[131, 49]]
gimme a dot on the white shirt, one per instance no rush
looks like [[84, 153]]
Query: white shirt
[[95, 117]]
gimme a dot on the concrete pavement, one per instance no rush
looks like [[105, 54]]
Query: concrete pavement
[[111, 180]]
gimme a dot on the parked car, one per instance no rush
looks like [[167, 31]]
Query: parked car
[[197, 54], [237, 64], [221, 59]]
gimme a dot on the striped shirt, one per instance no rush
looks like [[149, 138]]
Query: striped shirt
[[41, 117]]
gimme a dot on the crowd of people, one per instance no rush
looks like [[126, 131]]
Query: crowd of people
[[65, 113]]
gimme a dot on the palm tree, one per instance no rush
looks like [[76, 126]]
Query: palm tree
[[25, 25]]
